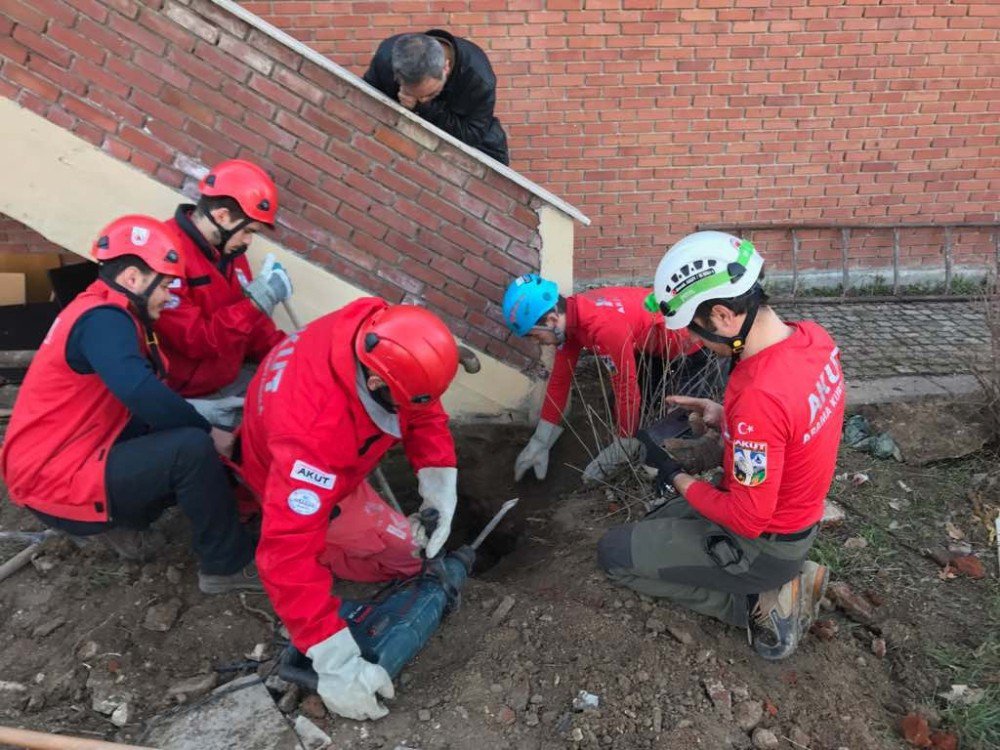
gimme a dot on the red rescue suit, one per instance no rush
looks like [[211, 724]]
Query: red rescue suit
[[64, 423], [615, 325], [784, 412], [209, 327], [307, 445]]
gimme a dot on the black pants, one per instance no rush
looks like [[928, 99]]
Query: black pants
[[146, 475]]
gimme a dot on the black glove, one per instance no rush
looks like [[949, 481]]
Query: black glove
[[666, 466]]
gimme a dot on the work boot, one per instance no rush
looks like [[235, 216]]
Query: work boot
[[245, 579], [813, 580], [776, 621], [133, 544]]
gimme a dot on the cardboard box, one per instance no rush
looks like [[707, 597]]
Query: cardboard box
[[12, 289]]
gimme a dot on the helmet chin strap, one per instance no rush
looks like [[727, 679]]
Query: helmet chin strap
[[224, 236], [737, 342], [140, 302]]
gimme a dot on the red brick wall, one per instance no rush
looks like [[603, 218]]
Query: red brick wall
[[654, 116], [161, 82], [15, 237]]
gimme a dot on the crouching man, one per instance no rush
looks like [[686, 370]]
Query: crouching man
[[98, 444], [641, 357], [321, 412], [738, 552]]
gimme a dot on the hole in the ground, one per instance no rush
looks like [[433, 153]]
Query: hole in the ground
[[486, 454]]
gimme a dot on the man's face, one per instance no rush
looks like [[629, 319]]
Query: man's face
[[425, 91], [241, 240], [138, 282], [159, 296], [546, 332]]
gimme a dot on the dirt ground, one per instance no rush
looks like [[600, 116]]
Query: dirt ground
[[73, 627]]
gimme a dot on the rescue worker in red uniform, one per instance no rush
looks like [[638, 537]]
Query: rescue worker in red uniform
[[217, 317], [321, 412], [98, 444], [631, 342], [738, 551]]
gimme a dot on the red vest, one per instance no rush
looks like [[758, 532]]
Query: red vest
[[209, 328], [64, 424]]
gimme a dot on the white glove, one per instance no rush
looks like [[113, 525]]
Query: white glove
[[609, 459], [438, 486], [271, 286], [220, 412], [347, 683], [536, 453]]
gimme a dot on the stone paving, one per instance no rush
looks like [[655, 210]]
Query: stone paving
[[893, 339]]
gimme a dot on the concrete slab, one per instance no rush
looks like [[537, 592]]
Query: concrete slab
[[239, 714], [890, 389]]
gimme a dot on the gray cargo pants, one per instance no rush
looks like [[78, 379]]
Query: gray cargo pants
[[677, 554]]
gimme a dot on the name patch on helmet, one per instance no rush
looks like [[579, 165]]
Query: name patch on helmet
[[749, 462], [303, 502], [309, 474]]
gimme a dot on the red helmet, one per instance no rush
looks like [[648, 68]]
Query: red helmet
[[412, 350], [144, 236], [247, 184]]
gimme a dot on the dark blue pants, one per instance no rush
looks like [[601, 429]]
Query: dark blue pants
[[146, 475]]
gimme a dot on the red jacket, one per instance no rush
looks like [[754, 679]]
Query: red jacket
[[209, 328], [784, 412], [307, 442], [64, 423], [614, 323]]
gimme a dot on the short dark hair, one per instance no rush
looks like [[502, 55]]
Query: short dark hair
[[739, 305], [109, 269], [416, 57], [208, 203]]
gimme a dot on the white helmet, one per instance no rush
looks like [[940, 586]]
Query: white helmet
[[703, 266]]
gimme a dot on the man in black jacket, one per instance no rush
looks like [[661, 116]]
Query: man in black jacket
[[446, 80]]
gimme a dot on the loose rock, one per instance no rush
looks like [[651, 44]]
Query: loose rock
[[506, 716], [584, 701], [123, 715], [657, 720], [878, 647], [764, 738], [748, 714], [313, 707], [655, 625], [173, 575], [680, 634], [503, 609], [312, 737], [161, 617], [854, 606], [423, 715], [47, 628], [721, 698], [290, 700], [194, 686]]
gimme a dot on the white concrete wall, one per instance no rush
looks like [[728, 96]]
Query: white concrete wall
[[66, 190]]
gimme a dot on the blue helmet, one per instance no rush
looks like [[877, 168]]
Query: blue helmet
[[526, 300]]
